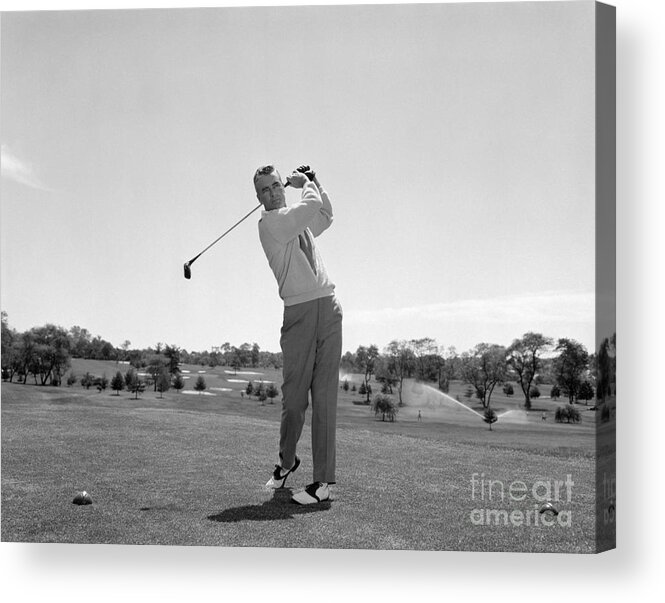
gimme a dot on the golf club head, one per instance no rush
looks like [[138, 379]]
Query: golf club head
[[188, 271]]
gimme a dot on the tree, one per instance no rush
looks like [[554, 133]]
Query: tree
[[249, 390], [80, 340], [449, 368], [422, 350], [163, 382], [489, 416], [348, 362], [50, 353], [200, 384], [523, 358], [508, 389], [125, 346], [118, 383], [178, 382], [235, 361], [87, 380], [384, 375], [483, 368], [130, 379], [137, 388], [585, 392], [555, 392], [365, 358], [401, 363], [385, 406], [570, 367], [605, 368], [157, 364], [255, 354], [567, 413], [172, 353], [12, 355], [101, 383], [8, 338], [272, 392]]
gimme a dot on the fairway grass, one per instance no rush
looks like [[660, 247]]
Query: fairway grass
[[190, 470]]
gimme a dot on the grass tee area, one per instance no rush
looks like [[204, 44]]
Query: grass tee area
[[190, 469]]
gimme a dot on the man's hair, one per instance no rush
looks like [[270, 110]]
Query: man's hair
[[263, 170]]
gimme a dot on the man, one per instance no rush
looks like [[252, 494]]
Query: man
[[311, 336]]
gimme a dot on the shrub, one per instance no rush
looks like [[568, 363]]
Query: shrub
[[534, 392], [385, 406], [345, 385], [118, 383], [508, 389], [178, 382], [272, 392], [489, 416], [87, 380], [585, 392], [259, 392], [163, 383], [200, 384], [567, 413], [555, 392], [101, 383]]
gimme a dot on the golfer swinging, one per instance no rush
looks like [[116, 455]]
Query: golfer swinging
[[311, 336]]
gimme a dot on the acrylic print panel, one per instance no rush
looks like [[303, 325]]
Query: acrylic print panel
[[467, 153]]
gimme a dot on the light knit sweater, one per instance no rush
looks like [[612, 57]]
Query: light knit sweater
[[279, 232]]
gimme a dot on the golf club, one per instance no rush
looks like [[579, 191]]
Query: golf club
[[188, 265]]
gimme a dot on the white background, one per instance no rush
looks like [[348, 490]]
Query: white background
[[634, 571]]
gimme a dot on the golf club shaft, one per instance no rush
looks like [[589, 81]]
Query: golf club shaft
[[224, 234]]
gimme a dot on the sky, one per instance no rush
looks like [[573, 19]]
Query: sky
[[456, 142]]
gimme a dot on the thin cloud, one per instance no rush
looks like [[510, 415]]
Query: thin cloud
[[20, 171], [536, 308]]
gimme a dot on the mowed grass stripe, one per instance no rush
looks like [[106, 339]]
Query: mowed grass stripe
[[189, 477]]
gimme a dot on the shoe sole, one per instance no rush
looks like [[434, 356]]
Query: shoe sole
[[313, 502], [292, 470]]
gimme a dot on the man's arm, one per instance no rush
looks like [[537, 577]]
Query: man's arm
[[287, 223], [325, 216]]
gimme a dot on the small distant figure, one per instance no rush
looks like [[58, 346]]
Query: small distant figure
[[420, 416], [543, 417]]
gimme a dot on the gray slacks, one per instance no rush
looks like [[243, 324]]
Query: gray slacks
[[311, 341]]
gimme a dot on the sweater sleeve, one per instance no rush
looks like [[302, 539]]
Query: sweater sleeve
[[291, 221], [325, 216]]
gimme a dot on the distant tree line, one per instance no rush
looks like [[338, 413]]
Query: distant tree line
[[44, 354], [530, 361]]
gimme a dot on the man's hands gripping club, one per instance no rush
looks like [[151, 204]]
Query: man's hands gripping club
[[300, 176]]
